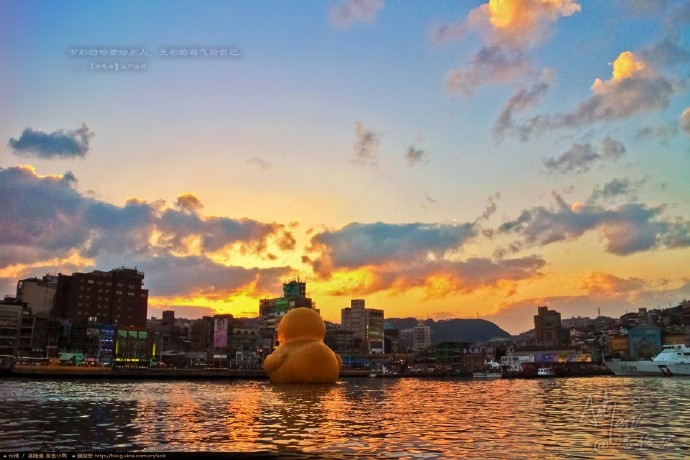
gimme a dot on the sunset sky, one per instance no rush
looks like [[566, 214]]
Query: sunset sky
[[438, 159]]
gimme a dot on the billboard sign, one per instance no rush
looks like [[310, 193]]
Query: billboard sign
[[282, 305], [220, 333]]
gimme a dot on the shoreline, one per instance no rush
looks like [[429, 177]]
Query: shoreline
[[69, 372]]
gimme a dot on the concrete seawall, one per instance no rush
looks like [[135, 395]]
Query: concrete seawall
[[134, 373], [78, 372]]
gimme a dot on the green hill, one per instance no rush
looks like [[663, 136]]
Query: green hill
[[453, 330]]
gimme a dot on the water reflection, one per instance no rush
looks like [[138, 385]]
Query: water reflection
[[391, 418], [64, 416]]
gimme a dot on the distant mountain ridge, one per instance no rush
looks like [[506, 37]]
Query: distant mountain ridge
[[453, 330]]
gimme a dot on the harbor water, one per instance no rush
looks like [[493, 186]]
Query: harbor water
[[597, 417]]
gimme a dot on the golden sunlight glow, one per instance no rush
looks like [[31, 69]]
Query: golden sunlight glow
[[523, 16], [239, 305], [577, 206], [189, 201], [32, 170], [626, 65], [242, 427], [439, 286], [503, 13], [607, 285], [19, 270], [347, 282], [130, 200]]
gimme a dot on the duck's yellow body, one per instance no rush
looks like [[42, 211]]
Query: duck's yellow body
[[301, 356]]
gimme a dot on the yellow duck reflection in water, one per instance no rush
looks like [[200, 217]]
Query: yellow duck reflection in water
[[301, 356]]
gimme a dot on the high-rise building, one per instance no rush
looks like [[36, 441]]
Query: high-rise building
[[10, 326], [116, 297], [392, 340], [338, 339], [25, 334], [366, 325], [422, 336], [271, 311], [38, 294], [202, 335], [547, 328]]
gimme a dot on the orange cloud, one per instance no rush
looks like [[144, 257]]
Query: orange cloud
[[626, 66], [507, 27], [634, 87], [601, 284], [518, 22], [189, 202], [433, 279]]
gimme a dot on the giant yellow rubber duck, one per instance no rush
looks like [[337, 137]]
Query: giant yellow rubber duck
[[301, 356]]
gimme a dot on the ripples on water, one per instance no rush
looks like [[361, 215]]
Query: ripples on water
[[388, 418]]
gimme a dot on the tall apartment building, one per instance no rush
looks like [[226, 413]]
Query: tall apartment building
[[116, 297], [24, 334], [38, 294], [422, 336], [366, 325], [10, 327], [202, 335], [547, 328]]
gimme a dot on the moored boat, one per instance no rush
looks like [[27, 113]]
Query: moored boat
[[546, 372], [672, 360], [492, 370]]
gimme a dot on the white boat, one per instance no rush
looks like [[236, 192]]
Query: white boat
[[379, 372], [492, 370], [673, 360], [546, 372]]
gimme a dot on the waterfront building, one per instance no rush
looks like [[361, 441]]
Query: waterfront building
[[392, 340], [674, 338], [116, 297], [202, 335], [45, 335], [106, 345], [618, 346], [366, 325], [10, 326], [449, 357], [338, 339], [548, 331], [175, 333], [225, 340], [25, 334], [645, 341], [474, 358], [271, 311], [422, 336], [683, 310], [95, 342], [244, 344], [38, 294], [134, 346]]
